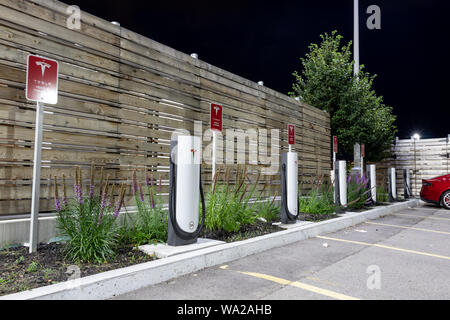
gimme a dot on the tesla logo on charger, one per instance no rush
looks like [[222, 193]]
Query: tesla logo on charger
[[193, 152]]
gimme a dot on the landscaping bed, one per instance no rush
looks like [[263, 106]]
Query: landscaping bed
[[258, 228], [21, 270]]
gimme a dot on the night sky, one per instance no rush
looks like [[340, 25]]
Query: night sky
[[265, 40]]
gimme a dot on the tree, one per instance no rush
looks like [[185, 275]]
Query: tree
[[357, 114]]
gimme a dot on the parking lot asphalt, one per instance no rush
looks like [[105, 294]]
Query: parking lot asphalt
[[401, 256]]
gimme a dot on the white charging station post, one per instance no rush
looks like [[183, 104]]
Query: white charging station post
[[372, 175], [41, 87], [363, 154], [407, 184], [333, 174], [342, 180], [216, 121], [289, 182], [185, 187], [392, 185]]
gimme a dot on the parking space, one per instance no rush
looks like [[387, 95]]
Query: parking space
[[401, 256]]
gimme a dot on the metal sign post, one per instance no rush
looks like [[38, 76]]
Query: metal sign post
[[216, 126], [34, 223], [41, 87]]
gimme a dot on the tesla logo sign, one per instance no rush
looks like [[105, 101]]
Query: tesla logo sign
[[335, 144], [291, 129], [42, 80], [216, 117], [363, 151]]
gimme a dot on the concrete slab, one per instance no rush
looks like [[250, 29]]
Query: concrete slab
[[163, 250], [297, 224]]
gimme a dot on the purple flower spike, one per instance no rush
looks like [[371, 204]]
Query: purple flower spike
[[102, 203], [349, 178], [147, 181], [141, 194], [357, 178], [364, 179], [91, 191], [118, 207], [57, 204], [134, 185], [78, 194], [152, 198]]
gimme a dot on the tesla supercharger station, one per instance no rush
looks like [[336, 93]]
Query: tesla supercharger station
[[289, 187], [340, 182], [407, 184], [392, 185], [185, 189], [371, 170]]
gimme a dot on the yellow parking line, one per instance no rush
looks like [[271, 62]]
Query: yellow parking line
[[387, 247], [417, 216], [404, 227], [300, 285]]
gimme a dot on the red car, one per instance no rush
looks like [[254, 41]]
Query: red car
[[436, 190]]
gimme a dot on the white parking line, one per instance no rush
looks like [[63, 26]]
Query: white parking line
[[418, 216], [404, 227], [387, 247], [301, 285]]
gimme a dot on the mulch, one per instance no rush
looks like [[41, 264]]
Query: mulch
[[20, 270], [259, 228]]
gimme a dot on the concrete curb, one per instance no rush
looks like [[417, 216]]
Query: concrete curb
[[115, 282]]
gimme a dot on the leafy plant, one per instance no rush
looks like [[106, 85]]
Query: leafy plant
[[150, 222], [357, 113], [357, 192], [267, 209], [318, 201], [32, 267], [89, 223], [382, 194], [227, 206]]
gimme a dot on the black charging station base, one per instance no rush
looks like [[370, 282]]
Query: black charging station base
[[174, 240]]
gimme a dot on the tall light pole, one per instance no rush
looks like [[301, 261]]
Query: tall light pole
[[356, 36]]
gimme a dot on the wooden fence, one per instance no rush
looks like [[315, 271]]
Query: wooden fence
[[121, 95], [425, 158]]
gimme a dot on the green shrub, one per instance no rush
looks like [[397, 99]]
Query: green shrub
[[267, 209], [150, 223], [382, 194], [318, 201], [89, 223], [357, 192], [227, 206]]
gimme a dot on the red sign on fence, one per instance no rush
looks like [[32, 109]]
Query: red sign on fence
[[335, 144], [363, 151], [291, 129], [42, 80], [216, 117]]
